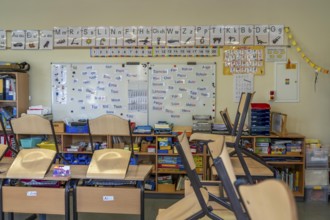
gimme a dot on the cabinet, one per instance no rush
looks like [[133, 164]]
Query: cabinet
[[16, 98], [286, 154], [149, 149]]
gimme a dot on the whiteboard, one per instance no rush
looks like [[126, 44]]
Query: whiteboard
[[286, 82], [85, 91], [179, 91]]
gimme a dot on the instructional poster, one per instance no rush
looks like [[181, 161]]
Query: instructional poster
[[81, 91], [179, 91], [242, 83], [244, 59]]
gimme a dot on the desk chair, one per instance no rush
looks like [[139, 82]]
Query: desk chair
[[269, 199], [194, 205], [237, 131]]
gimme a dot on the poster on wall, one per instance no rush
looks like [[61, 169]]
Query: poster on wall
[[74, 37], [173, 34], [31, 40], [102, 36], [246, 34], [60, 36], [217, 35], [244, 59], [243, 83], [3, 40], [276, 34], [88, 36], [202, 35], [144, 36], [46, 40], [261, 34], [116, 36], [18, 40], [130, 36], [187, 36]]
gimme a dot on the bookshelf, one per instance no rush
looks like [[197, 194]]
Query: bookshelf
[[166, 166], [18, 95], [15, 103], [286, 153]]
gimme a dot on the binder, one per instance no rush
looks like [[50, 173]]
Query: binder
[[2, 97]]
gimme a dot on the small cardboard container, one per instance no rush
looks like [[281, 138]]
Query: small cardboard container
[[59, 126], [166, 188]]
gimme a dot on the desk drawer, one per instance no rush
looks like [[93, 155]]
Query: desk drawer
[[33, 200], [108, 200]]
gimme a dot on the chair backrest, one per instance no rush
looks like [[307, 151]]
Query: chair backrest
[[270, 199], [33, 125], [242, 109], [226, 120], [110, 125]]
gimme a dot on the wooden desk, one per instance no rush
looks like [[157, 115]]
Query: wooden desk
[[109, 199], [42, 200]]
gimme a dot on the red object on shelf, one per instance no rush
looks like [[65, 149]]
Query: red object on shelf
[[260, 106]]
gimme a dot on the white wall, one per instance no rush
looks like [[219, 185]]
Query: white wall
[[307, 19]]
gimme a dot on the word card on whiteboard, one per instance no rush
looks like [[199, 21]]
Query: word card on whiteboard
[[286, 82], [82, 90], [179, 91]]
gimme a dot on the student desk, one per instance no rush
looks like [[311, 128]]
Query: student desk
[[41, 200], [109, 199]]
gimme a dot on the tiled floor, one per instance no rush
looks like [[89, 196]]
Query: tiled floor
[[306, 211]]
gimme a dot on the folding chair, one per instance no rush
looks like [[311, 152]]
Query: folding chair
[[237, 131], [194, 205], [269, 199]]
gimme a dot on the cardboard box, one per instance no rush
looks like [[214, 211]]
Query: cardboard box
[[58, 126], [166, 188]]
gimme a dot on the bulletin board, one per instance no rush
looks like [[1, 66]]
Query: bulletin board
[[179, 91], [286, 82], [84, 91]]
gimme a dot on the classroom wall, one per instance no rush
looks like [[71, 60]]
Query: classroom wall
[[308, 21]]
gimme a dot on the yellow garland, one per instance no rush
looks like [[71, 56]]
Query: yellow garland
[[303, 55]]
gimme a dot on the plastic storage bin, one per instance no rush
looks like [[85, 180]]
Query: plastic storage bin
[[316, 193], [316, 177], [317, 157], [76, 129], [30, 142]]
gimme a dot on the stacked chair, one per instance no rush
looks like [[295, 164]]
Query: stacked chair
[[270, 199], [242, 154]]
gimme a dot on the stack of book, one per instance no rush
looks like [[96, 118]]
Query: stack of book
[[170, 164], [7, 113]]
